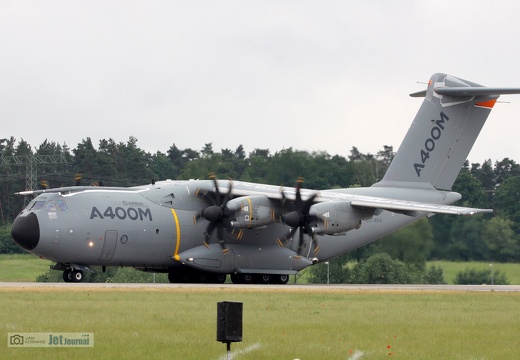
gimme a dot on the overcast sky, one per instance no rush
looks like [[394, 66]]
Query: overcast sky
[[311, 75]]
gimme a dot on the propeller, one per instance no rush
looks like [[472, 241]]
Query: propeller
[[77, 179], [299, 219], [217, 213], [77, 182]]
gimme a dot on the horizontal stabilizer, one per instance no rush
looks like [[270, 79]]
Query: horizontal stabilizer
[[414, 207], [469, 91], [475, 91]]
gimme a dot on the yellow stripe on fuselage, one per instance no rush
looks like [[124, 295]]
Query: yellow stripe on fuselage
[[250, 212], [178, 240]]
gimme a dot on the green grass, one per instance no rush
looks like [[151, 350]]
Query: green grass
[[278, 324], [451, 269], [22, 267]]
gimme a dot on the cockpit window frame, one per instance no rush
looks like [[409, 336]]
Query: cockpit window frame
[[38, 205], [51, 206], [61, 205]]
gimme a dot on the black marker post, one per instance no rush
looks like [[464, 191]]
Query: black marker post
[[229, 323]]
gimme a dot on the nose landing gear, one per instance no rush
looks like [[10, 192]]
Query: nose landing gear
[[70, 275]]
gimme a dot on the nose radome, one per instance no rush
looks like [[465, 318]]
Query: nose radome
[[26, 231]]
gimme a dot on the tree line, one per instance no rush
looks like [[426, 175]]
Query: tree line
[[490, 237]]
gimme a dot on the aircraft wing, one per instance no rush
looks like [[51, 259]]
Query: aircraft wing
[[406, 207], [414, 207]]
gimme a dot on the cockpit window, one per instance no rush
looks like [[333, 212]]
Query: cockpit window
[[62, 205], [38, 205], [51, 206]]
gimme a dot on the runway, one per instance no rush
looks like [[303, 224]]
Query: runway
[[230, 287]]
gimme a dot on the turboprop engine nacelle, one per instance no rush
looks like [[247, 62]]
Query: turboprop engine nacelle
[[251, 211], [338, 217]]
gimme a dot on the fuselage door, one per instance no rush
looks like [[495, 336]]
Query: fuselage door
[[109, 246]]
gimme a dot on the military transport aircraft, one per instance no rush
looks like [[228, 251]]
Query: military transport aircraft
[[203, 230]]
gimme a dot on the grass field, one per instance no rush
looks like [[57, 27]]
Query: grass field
[[278, 323], [451, 269], [22, 267]]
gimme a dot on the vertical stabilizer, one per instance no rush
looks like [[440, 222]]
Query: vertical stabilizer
[[442, 133]]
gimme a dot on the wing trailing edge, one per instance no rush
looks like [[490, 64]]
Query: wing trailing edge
[[413, 208]]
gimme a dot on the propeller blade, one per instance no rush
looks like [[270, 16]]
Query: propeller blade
[[217, 213], [196, 217], [223, 246], [298, 193], [227, 196], [309, 203], [227, 224], [298, 218], [220, 232], [218, 197], [316, 244], [210, 228], [300, 242]]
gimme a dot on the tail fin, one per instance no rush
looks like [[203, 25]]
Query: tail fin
[[442, 133]]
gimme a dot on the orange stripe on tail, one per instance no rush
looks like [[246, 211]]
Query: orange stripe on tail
[[487, 104]]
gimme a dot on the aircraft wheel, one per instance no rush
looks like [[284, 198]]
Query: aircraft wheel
[[173, 277], [77, 276], [180, 276], [246, 278], [187, 277], [265, 278], [203, 277], [67, 277], [283, 279], [220, 278]]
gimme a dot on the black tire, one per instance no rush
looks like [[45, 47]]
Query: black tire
[[180, 276], [67, 277], [76, 276], [203, 277], [173, 277], [282, 279], [265, 278], [220, 278], [246, 278]]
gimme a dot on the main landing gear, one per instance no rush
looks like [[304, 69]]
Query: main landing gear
[[70, 275], [246, 278], [192, 276], [186, 276]]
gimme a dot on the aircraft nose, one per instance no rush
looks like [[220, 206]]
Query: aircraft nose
[[26, 231]]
